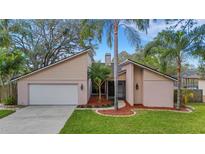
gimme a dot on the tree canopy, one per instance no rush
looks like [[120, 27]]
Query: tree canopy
[[46, 41], [11, 64]]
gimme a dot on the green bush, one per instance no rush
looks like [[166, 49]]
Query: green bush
[[187, 96], [10, 100]]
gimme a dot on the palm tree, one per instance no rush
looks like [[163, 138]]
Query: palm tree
[[178, 45], [111, 28], [99, 74]]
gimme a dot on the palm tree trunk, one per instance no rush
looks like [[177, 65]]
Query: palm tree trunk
[[100, 97], [178, 84], [116, 63]]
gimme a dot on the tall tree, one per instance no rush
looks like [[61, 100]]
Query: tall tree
[[181, 24], [157, 57], [11, 59], [5, 39], [178, 45], [111, 28], [46, 41]]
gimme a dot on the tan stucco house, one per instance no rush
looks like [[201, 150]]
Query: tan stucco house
[[66, 82]]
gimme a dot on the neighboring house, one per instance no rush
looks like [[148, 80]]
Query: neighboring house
[[189, 81], [202, 87], [66, 83]]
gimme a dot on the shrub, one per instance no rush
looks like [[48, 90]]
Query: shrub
[[187, 95], [10, 100]]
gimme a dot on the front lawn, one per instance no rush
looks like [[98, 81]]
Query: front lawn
[[144, 122], [4, 113]]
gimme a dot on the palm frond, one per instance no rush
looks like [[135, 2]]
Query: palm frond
[[132, 36], [109, 28]]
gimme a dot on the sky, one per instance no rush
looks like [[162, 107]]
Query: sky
[[124, 45]]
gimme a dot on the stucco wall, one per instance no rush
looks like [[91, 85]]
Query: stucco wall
[[154, 90], [138, 99], [129, 83], [73, 71], [89, 80], [158, 91]]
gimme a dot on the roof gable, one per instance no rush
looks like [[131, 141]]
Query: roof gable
[[52, 65], [148, 68]]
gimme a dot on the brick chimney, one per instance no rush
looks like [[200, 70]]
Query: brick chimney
[[108, 59]]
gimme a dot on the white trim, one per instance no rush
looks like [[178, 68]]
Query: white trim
[[129, 61], [61, 61]]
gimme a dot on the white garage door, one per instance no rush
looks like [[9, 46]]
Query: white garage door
[[48, 94]]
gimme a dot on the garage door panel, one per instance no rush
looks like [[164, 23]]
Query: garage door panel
[[158, 93], [42, 94]]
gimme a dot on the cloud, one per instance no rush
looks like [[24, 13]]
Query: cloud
[[156, 27]]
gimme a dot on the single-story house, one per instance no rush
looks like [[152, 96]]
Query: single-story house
[[66, 82]]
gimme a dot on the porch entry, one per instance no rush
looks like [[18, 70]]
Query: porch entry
[[121, 89]]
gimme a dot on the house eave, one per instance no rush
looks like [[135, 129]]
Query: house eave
[[128, 61]]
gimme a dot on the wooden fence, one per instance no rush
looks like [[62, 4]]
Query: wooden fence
[[8, 90], [197, 95]]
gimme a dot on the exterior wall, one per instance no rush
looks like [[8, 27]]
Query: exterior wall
[[73, 71], [202, 86], [138, 93], [129, 83], [89, 92], [158, 91]]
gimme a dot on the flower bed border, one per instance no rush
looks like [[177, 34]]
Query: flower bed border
[[93, 103]]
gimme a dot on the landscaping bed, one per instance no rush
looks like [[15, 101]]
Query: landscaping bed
[[124, 111], [10, 107], [129, 110], [182, 109], [94, 103]]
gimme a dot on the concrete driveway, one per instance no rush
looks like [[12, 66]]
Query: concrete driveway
[[36, 120]]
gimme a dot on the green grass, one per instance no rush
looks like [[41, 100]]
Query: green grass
[[4, 113], [144, 122]]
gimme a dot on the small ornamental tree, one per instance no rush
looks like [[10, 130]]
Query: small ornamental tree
[[99, 73], [11, 64]]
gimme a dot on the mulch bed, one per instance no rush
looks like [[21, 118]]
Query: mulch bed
[[94, 103], [125, 111], [128, 110], [140, 106]]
